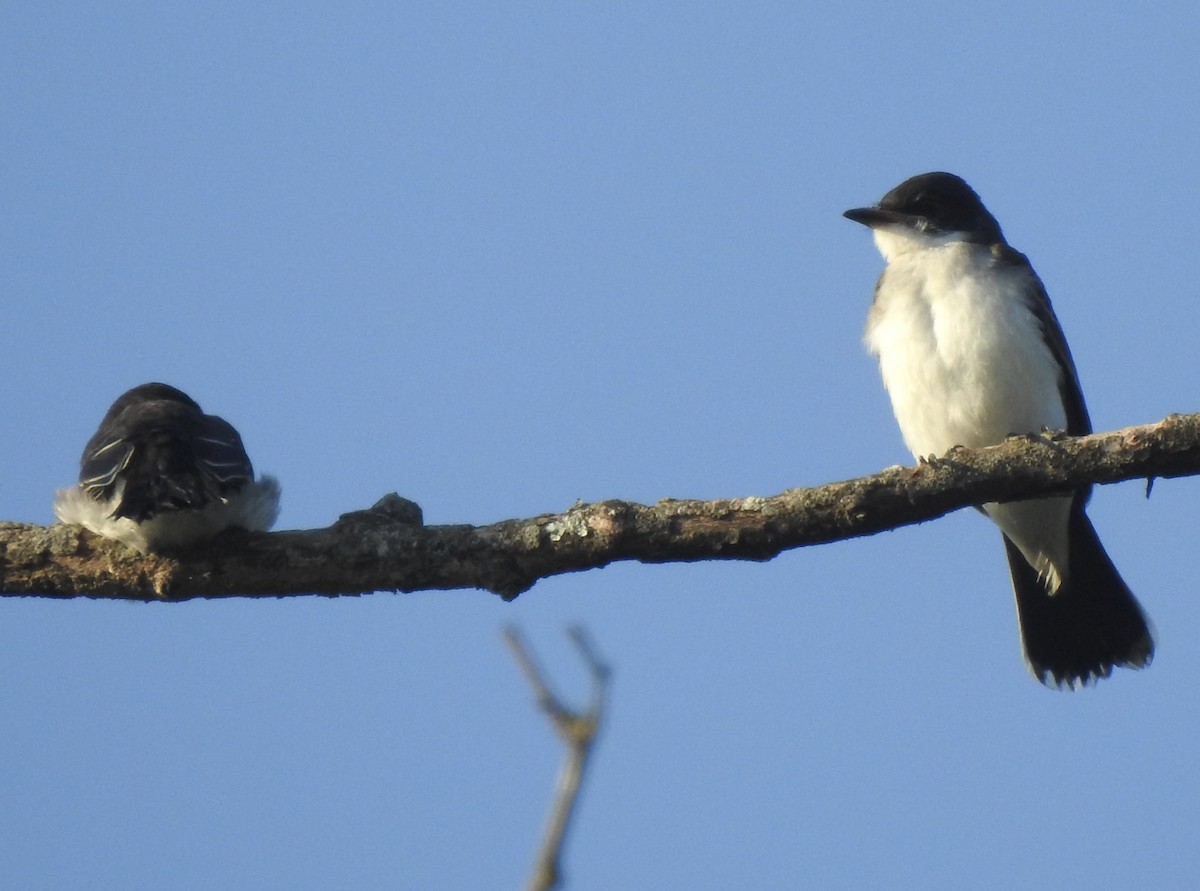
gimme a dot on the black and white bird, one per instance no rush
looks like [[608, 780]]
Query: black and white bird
[[971, 352], [160, 474]]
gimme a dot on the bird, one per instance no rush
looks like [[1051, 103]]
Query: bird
[[159, 474], [971, 352]]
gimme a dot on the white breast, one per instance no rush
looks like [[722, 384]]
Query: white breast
[[962, 356], [965, 363]]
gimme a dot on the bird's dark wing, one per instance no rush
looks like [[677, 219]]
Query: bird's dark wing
[[102, 464], [1078, 422], [220, 455]]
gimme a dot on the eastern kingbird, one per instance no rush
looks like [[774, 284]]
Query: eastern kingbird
[[971, 352], [161, 474]]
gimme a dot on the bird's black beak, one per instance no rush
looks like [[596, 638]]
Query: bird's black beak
[[877, 217]]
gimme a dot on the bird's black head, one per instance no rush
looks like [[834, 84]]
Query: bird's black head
[[152, 392], [935, 204]]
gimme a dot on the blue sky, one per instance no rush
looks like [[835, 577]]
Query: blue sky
[[498, 258]]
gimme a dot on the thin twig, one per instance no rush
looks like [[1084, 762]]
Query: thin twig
[[578, 731]]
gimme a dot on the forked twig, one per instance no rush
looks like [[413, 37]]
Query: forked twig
[[578, 730]]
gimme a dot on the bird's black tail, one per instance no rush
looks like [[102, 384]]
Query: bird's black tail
[[1091, 624]]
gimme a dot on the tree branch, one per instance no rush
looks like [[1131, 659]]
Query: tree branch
[[386, 548]]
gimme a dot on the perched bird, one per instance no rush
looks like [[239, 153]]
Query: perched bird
[[971, 352], [161, 474]]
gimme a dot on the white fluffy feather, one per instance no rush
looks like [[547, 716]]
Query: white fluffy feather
[[967, 364], [254, 508]]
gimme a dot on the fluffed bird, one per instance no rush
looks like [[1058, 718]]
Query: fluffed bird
[[160, 474], [971, 352]]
